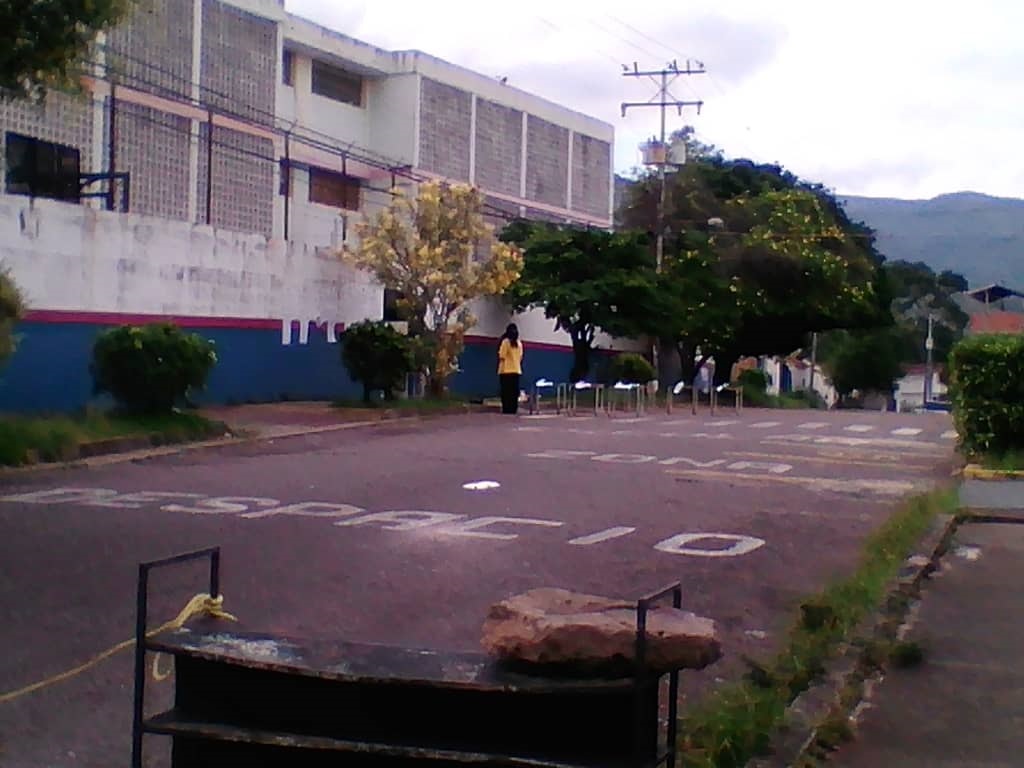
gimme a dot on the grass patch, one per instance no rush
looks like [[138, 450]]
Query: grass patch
[[424, 405], [787, 400], [1009, 461], [738, 720], [24, 439]]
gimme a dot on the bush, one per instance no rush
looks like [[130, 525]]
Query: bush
[[377, 356], [11, 309], [987, 392], [753, 380], [152, 368], [632, 368]]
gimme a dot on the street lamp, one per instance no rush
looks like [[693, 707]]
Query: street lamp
[[929, 345]]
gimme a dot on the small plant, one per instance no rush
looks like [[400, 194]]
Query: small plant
[[150, 369], [632, 368], [753, 380], [12, 307], [987, 393], [377, 356], [906, 654]]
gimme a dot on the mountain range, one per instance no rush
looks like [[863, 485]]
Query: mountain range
[[978, 236]]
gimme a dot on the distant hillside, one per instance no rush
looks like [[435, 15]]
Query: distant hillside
[[980, 237]]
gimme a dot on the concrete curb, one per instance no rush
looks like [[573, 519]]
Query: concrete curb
[[143, 448], [978, 472], [805, 715]]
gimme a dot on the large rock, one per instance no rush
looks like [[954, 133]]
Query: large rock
[[587, 633]]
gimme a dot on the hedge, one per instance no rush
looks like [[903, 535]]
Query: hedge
[[987, 392]]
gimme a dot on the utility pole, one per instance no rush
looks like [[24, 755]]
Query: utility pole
[[814, 360], [663, 99], [929, 345]]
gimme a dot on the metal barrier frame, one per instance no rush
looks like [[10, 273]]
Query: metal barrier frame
[[643, 605], [141, 641]]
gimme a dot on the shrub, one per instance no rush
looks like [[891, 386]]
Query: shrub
[[987, 392], [753, 380], [150, 369], [11, 309], [632, 368], [377, 356]]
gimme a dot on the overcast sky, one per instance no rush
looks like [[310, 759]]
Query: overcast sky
[[896, 98]]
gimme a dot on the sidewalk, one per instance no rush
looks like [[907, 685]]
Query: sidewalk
[[964, 705]]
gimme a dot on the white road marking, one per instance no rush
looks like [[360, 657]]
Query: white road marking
[[741, 545], [812, 425], [633, 419], [531, 429], [765, 424], [723, 422], [481, 485], [439, 523], [876, 487], [539, 416], [623, 458], [950, 434], [859, 428], [908, 431], [471, 528], [718, 436], [605, 535]]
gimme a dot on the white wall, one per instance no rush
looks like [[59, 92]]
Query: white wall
[[492, 317], [392, 103], [70, 257]]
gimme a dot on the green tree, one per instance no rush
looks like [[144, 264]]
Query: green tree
[[917, 293], [377, 356], [785, 247], [426, 248], [150, 369], [45, 40], [12, 307], [868, 361], [586, 280]]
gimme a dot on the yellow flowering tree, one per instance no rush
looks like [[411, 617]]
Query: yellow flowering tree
[[438, 253]]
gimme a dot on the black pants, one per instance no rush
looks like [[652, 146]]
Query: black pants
[[509, 392]]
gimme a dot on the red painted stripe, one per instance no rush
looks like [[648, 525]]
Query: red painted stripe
[[124, 318]]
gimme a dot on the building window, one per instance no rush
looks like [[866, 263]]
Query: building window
[[333, 189], [288, 67], [337, 84], [41, 168]]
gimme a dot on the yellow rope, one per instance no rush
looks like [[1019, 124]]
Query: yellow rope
[[201, 604]]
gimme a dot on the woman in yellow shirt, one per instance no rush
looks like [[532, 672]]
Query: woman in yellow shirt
[[510, 368]]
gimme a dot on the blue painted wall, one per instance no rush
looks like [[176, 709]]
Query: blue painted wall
[[50, 369]]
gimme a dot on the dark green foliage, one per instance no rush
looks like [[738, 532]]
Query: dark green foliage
[[11, 309], [781, 256], [632, 368], [753, 380], [987, 392], [586, 280], [917, 293], [906, 654], [152, 368], [30, 439], [377, 356], [46, 40], [868, 361]]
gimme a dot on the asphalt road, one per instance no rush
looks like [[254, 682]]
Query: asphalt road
[[370, 534]]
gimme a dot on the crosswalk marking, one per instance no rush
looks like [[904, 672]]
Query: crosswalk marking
[[909, 431], [859, 428], [723, 422], [812, 425], [765, 424], [949, 434]]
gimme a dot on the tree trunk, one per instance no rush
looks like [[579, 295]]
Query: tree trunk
[[580, 356]]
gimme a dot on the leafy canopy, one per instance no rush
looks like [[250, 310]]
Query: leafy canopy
[[44, 41], [376, 355], [12, 307], [586, 280], [437, 251]]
